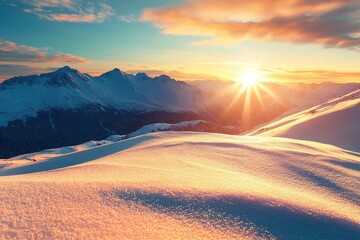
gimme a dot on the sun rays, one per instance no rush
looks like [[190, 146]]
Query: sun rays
[[249, 87]]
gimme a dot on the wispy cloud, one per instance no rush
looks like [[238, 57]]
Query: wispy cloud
[[51, 3], [128, 18], [13, 52], [311, 75], [69, 10], [329, 23], [10, 70]]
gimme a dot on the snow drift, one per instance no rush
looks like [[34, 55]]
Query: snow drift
[[186, 185], [335, 122]]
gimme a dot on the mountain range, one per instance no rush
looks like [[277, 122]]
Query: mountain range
[[67, 107]]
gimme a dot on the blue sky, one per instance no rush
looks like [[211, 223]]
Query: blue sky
[[188, 40], [105, 40]]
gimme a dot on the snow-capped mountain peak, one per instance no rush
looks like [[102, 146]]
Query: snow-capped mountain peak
[[164, 78], [65, 69], [142, 76], [116, 73], [64, 76]]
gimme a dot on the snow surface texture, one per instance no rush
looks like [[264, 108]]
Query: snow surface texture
[[335, 122], [186, 185]]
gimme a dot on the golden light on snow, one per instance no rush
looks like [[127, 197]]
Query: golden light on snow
[[182, 186]]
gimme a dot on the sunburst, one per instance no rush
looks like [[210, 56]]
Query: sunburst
[[249, 77]]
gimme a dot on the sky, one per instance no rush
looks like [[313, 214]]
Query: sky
[[285, 40]]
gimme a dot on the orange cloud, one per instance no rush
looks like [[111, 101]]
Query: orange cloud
[[330, 23], [53, 3], [317, 75], [73, 17], [12, 52], [9, 70]]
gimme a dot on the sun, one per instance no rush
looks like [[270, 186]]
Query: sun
[[249, 77]]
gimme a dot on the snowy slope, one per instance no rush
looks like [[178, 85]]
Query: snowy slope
[[55, 152], [198, 125], [186, 186], [157, 127], [335, 122]]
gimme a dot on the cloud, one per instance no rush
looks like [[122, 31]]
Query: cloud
[[63, 17], [10, 70], [13, 52], [51, 3], [69, 10], [329, 23], [313, 75], [128, 18]]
